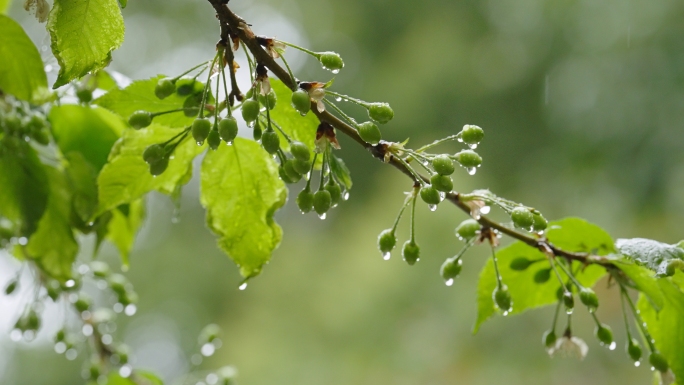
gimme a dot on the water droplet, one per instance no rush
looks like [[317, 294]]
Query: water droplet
[[175, 215], [60, 347], [449, 282], [472, 146], [346, 195], [87, 330], [485, 209], [125, 371], [118, 307], [22, 241], [505, 313], [199, 143], [335, 71], [637, 363], [338, 99], [15, 335], [207, 349], [243, 286], [612, 346], [107, 339], [471, 170], [71, 354], [652, 369], [569, 310], [432, 207], [130, 309], [591, 309], [386, 256], [29, 335], [459, 139], [70, 283], [229, 143], [322, 216], [442, 195], [83, 269]]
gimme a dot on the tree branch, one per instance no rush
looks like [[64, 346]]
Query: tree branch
[[231, 21]]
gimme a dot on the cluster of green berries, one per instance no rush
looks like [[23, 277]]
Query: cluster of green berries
[[328, 195], [387, 240], [528, 219], [21, 123]]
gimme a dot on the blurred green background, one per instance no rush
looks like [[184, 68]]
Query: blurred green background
[[582, 102]]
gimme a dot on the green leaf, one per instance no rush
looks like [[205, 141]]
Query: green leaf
[[82, 177], [4, 5], [126, 178], [241, 191], [298, 127], [652, 254], [89, 131], [149, 378], [23, 185], [84, 33], [667, 325], [643, 280], [139, 95], [115, 379], [124, 224], [340, 170], [53, 246], [21, 68], [571, 234]]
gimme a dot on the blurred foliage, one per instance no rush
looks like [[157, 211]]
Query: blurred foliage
[[582, 106]]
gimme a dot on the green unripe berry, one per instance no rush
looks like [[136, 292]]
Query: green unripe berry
[[118, 283], [11, 287], [522, 217], [128, 297], [322, 201], [164, 88], [283, 175], [568, 300], [468, 229], [442, 182], [604, 334], [305, 200], [94, 371], [430, 195], [450, 269], [335, 192], [154, 153], [228, 129], [386, 241], [54, 289], [542, 276], [200, 130], [84, 95], [471, 134], [301, 166], [158, 167], [250, 93], [82, 303], [187, 86], [443, 165], [290, 171], [300, 151], [36, 123], [540, 223], [32, 320], [301, 101], [658, 361], [589, 299], [468, 158], [502, 298], [521, 264], [214, 139], [41, 137], [122, 354], [380, 112], [634, 349], [269, 100], [250, 110], [100, 269], [369, 132], [270, 141], [140, 119], [60, 336], [257, 132], [549, 339], [331, 61], [410, 252]]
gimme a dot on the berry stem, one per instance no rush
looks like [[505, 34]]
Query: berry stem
[[499, 282], [312, 53], [218, 87], [412, 229], [640, 322], [569, 274], [207, 87], [416, 176], [225, 89], [438, 142], [349, 98], [555, 315], [155, 114], [323, 165], [342, 113], [282, 57], [624, 316], [249, 63], [408, 200], [313, 164], [552, 261], [188, 71]]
